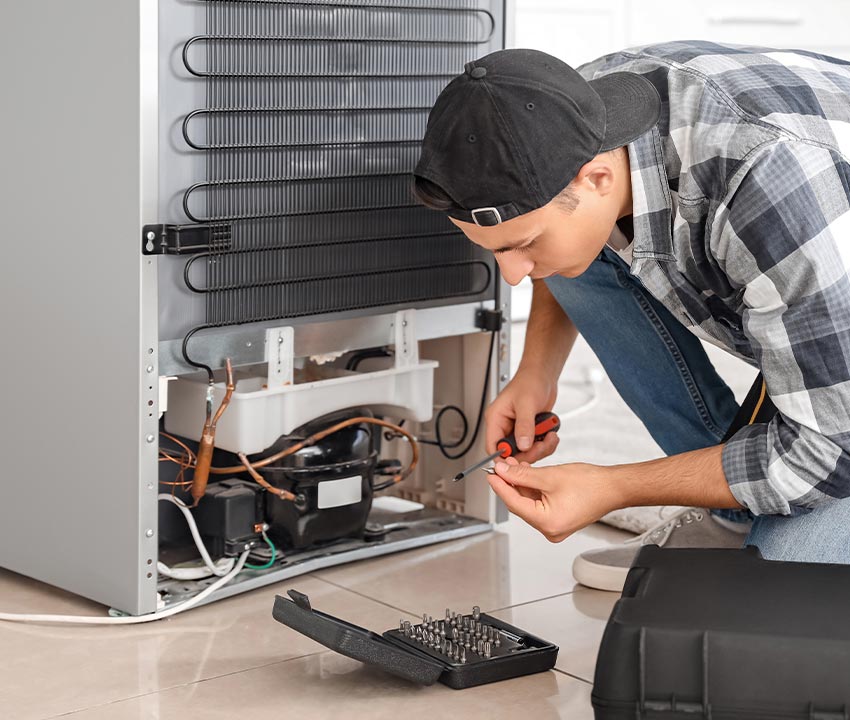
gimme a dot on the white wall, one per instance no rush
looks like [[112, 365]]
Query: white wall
[[578, 32]]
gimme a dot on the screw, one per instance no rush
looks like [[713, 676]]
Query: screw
[[150, 486], [149, 368], [151, 235], [150, 438], [404, 323], [148, 533], [248, 344], [503, 377], [247, 547], [280, 340]]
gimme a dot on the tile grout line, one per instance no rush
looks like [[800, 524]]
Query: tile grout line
[[184, 685], [574, 677], [414, 614], [366, 597], [531, 602]]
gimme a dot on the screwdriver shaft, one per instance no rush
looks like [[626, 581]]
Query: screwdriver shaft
[[462, 475]]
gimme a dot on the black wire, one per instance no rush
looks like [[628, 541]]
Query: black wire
[[355, 360], [192, 362], [439, 442], [480, 408]]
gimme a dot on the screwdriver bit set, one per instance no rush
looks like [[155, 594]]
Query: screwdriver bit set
[[460, 650]]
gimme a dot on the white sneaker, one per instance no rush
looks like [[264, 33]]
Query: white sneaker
[[606, 568]]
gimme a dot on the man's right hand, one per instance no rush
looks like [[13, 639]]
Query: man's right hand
[[513, 411]]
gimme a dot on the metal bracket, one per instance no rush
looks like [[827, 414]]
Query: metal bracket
[[405, 340], [185, 239], [280, 355]]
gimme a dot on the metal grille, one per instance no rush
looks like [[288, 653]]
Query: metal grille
[[314, 112]]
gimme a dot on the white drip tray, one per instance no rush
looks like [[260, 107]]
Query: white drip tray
[[258, 415]]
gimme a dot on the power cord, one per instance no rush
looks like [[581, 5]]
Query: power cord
[[130, 620], [225, 576]]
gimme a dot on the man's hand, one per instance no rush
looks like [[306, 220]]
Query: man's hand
[[561, 499], [513, 411], [557, 500]]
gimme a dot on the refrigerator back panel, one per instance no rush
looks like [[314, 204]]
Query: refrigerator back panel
[[297, 125]]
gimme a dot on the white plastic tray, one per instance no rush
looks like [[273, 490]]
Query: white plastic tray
[[257, 416]]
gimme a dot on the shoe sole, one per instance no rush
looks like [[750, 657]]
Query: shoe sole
[[599, 577]]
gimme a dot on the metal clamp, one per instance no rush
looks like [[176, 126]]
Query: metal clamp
[[405, 340], [185, 239], [280, 355]]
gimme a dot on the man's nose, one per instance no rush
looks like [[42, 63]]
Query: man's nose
[[513, 267]]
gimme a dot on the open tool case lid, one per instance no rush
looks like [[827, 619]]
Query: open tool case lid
[[354, 641], [724, 634], [393, 654]]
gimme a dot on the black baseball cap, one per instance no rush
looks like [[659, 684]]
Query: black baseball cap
[[513, 130]]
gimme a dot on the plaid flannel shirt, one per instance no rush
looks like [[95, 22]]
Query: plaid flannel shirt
[[742, 229]]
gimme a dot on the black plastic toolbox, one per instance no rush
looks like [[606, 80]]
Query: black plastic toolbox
[[518, 653], [726, 635]]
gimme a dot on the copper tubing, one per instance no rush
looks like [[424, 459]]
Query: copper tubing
[[313, 439], [207, 443], [280, 492]]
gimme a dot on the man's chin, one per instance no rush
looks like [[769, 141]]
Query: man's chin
[[567, 273], [573, 272]]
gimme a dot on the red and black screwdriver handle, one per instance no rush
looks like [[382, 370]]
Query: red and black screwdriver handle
[[544, 423]]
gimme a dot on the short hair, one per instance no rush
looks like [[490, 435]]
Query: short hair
[[433, 196]]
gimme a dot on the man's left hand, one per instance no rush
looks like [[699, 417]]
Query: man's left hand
[[557, 500]]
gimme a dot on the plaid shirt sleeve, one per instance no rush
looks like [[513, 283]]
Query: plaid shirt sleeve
[[782, 236]]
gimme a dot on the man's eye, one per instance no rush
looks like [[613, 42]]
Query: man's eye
[[525, 248]]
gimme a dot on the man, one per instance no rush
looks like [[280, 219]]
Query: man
[[658, 196]]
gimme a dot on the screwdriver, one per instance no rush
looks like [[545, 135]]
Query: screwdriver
[[544, 423]]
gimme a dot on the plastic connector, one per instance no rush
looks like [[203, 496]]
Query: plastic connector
[[489, 320]]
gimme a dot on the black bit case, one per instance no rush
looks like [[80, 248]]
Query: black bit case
[[398, 655]]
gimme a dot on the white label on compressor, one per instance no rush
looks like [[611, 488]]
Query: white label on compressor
[[345, 491]]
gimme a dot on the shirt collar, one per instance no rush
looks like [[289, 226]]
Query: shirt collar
[[652, 208]]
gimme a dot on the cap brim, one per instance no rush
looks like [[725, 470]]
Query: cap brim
[[632, 106]]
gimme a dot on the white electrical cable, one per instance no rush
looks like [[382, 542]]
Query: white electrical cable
[[194, 572], [162, 614], [196, 536], [226, 572]]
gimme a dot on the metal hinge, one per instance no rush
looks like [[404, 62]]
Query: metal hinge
[[491, 320], [185, 239]]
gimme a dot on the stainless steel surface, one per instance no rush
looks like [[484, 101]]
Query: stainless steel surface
[[245, 345], [76, 159], [100, 168]]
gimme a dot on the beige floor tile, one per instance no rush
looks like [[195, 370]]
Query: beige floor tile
[[328, 685], [48, 670], [514, 564], [573, 622]]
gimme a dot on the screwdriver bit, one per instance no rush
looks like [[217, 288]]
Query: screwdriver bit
[[544, 423]]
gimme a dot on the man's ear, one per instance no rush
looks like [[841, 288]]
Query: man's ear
[[597, 176]]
